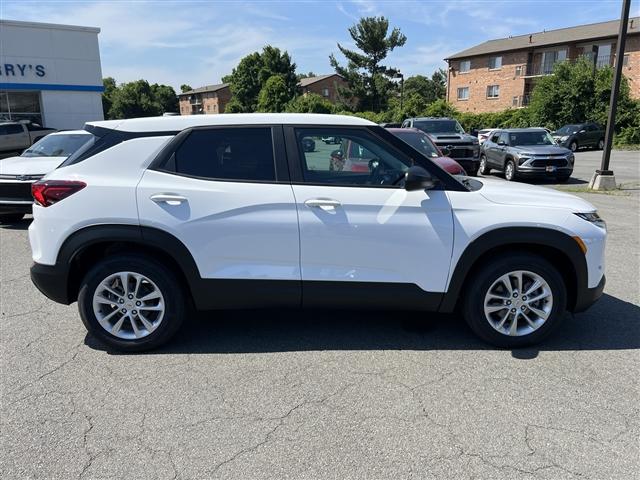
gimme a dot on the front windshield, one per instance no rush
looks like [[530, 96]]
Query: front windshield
[[439, 126], [538, 137], [59, 145], [420, 142], [568, 129]]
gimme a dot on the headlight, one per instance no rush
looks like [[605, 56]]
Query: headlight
[[594, 218], [565, 138]]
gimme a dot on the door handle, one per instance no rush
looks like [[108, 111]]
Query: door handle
[[322, 203], [168, 198]]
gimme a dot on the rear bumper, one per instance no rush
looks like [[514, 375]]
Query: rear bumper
[[52, 281], [589, 296]]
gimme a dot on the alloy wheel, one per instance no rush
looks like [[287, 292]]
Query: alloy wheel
[[128, 305], [509, 171], [518, 303]]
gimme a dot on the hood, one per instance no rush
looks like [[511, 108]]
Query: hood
[[543, 150], [29, 165], [513, 193]]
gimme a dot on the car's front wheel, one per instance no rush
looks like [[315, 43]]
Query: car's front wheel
[[131, 303], [573, 146], [515, 301], [601, 144], [484, 168], [510, 171]]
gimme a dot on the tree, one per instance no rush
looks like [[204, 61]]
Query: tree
[[166, 98], [110, 87], [306, 75], [575, 93], [139, 99], [185, 88], [441, 108], [310, 103], [368, 80], [429, 89], [274, 95], [253, 71]]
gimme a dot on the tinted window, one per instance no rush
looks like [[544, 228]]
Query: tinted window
[[495, 137], [359, 158], [10, 129], [538, 137], [439, 126], [227, 153]]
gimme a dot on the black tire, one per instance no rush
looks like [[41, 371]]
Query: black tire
[[478, 285], [600, 144], [573, 146], [164, 279], [484, 169], [510, 176], [11, 217]]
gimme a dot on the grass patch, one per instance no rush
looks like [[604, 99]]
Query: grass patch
[[619, 192], [627, 147]]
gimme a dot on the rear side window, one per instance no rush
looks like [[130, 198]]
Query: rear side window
[[227, 154]]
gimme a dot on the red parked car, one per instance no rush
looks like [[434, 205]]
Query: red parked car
[[421, 142]]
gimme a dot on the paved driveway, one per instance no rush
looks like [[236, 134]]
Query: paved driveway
[[312, 394]]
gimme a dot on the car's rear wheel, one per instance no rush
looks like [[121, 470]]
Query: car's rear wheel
[[515, 301], [131, 303], [11, 217], [484, 169], [573, 146], [510, 170]]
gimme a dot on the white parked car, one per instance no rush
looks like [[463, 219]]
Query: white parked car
[[18, 173], [484, 134], [230, 211]]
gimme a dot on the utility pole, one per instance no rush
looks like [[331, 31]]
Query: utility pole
[[603, 179]]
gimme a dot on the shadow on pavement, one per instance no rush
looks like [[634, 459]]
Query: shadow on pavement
[[611, 324], [19, 225]]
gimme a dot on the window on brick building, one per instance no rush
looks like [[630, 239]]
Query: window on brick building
[[465, 66], [495, 63], [493, 91], [463, 93], [325, 92]]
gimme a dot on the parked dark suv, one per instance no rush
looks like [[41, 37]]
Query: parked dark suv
[[580, 135], [526, 152], [447, 133]]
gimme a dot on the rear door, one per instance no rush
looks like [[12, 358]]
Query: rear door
[[225, 194], [362, 235]]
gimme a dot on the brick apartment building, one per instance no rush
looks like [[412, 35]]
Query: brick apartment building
[[500, 74], [207, 99], [324, 85]]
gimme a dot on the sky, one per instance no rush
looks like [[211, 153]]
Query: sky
[[198, 42]]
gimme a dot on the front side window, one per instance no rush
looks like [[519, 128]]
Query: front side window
[[493, 91], [358, 159], [227, 154], [59, 145], [504, 138], [463, 93], [495, 63], [465, 66], [11, 129], [495, 137]]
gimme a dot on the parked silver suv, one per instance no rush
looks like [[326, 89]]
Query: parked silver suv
[[526, 152]]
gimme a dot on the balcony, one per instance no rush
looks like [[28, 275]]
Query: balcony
[[521, 101], [539, 69]]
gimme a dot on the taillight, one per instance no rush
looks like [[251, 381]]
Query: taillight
[[48, 192]]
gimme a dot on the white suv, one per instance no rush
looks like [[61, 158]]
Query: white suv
[[245, 211]]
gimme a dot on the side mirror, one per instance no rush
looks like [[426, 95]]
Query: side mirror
[[445, 151], [418, 179]]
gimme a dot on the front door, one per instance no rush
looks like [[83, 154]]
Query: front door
[[220, 195], [362, 235]]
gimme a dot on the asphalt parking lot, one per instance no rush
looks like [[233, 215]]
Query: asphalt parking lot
[[313, 394]]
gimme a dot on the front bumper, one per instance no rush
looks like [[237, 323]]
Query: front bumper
[[16, 206], [589, 296], [543, 172], [15, 196], [52, 281], [469, 164]]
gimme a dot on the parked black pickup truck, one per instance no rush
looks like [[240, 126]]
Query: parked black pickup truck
[[449, 136]]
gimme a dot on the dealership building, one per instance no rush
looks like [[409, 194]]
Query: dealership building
[[50, 74]]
